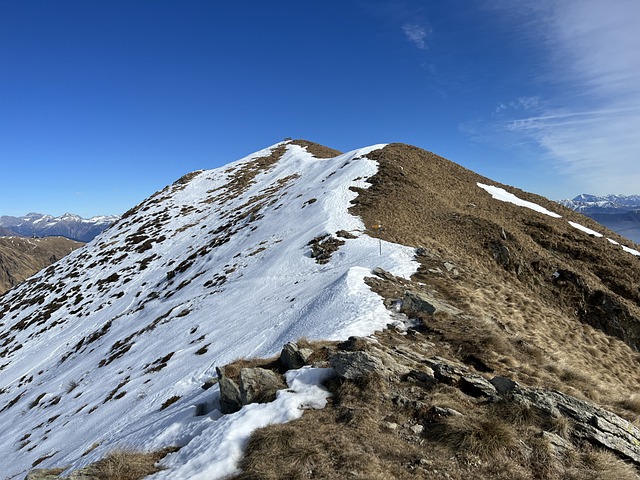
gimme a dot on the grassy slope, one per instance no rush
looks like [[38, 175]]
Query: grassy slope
[[516, 321], [22, 257]]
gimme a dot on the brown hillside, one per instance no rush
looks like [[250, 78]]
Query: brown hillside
[[519, 295], [22, 257]]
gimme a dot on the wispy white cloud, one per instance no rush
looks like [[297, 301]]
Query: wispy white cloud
[[522, 103], [416, 34], [588, 119]]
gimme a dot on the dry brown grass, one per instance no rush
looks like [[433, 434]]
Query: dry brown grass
[[232, 370], [128, 465]]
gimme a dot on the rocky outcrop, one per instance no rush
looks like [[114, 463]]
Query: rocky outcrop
[[589, 422], [252, 385], [294, 356], [322, 247]]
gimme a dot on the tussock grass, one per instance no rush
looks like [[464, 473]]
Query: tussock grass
[[232, 370], [128, 465], [483, 437]]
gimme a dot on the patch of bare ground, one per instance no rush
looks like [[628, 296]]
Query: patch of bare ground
[[127, 465], [315, 149]]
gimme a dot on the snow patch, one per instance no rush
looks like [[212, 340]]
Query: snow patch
[[504, 196], [216, 450], [585, 229]]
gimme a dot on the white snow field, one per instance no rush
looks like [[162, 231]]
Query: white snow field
[[214, 267]]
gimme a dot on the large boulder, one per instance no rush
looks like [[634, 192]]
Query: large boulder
[[253, 385], [258, 385], [229, 392], [293, 357]]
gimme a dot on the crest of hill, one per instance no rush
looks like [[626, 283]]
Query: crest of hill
[[535, 300], [21, 257], [422, 199]]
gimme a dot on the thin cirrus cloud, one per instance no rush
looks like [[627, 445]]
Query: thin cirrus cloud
[[588, 118], [416, 34]]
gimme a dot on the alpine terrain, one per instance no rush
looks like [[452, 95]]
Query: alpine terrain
[[620, 213], [67, 225], [21, 257], [304, 313]]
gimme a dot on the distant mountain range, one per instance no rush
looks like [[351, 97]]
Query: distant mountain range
[[620, 213], [68, 225]]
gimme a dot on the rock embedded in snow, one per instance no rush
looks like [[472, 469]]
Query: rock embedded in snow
[[259, 385], [230, 400], [253, 385]]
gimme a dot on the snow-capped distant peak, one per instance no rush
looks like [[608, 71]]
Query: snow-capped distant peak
[[68, 225]]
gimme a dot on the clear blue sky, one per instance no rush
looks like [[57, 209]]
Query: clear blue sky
[[103, 102]]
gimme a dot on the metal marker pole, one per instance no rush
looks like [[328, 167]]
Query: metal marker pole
[[378, 228]]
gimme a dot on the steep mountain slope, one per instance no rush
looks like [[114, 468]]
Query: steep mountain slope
[[67, 225], [22, 257], [620, 213], [214, 267], [112, 346]]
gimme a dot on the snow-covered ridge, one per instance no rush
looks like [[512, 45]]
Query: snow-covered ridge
[[212, 268]]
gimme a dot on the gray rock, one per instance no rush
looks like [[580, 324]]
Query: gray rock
[[503, 384], [447, 373], [293, 357], [414, 302], [44, 474], [418, 302], [444, 412], [423, 378], [417, 429], [258, 385], [353, 365], [384, 274], [592, 423], [230, 401], [477, 386], [559, 445], [500, 253], [253, 385]]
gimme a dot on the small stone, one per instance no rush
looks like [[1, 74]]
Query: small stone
[[390, 426], [417, 429]]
